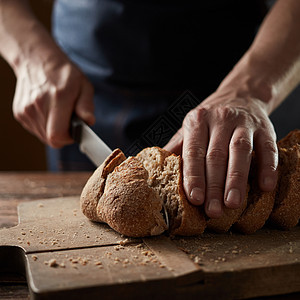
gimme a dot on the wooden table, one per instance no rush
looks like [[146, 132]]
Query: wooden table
[[16, 188]]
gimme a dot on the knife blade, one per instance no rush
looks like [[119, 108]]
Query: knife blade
[[89, 142]]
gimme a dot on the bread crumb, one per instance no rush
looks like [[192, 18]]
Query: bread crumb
[[34, 257], [98, 263], [40, 205], [62, 265], [140, 246], [23, 233], [51, 263], [124, 242], [197, 260]]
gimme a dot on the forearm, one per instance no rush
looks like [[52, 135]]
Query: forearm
[[270, 69], [22, 37]]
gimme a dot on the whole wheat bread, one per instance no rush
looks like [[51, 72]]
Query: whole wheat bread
[[286, 212], [128, 194]]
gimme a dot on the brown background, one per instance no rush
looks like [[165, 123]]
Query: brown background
[[19, 150]]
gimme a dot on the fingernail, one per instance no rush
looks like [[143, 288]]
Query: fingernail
[[214, 206], [268, 182], [234, 198], [197, 195]]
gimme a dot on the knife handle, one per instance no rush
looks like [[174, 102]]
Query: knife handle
[[76, 128]]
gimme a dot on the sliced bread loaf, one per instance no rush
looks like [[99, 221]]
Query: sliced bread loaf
[[286, 212], [260, 204], [229, 217]]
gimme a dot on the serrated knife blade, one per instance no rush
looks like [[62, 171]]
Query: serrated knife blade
[[89, 142]]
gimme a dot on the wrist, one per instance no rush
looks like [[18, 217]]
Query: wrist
[[251, 79]]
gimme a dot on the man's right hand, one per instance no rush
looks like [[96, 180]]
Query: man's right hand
[[46, 96], [49, 86]]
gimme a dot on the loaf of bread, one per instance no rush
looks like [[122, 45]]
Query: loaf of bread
[[286, 212], [94, 188], [130, 195], [230, 216], [259, 207]]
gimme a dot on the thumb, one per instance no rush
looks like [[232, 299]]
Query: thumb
[[175, 143], [84, 107]]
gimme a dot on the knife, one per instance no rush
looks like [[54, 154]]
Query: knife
[[89, 142]]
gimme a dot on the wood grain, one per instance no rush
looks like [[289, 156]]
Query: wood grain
[[280, 246], [20, 187], [16, 188]]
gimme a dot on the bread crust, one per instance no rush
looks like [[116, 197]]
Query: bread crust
[[260, 205], [290, 140], [94, 187], [128, 204], [286, 212], [229, 217]]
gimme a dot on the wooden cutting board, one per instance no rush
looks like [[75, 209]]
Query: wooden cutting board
[[66, 256]]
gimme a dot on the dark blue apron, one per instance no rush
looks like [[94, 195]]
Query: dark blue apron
[[142, 55]]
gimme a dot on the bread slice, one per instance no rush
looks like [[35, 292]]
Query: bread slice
[[229, 217], [129, 205], [165, 176], [260, 205], [94, 188], [286, 212]]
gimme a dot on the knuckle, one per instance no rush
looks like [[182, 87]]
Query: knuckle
[[194, 151], [54, 139], [194, 180], [241, 144], [225, 113], [195, 116], [215, 189], [59, 93], [270, 146], [237, 174], [28, 110], [216, 155]]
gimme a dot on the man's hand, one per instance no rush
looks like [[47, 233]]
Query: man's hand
[[46, 96], [217, 137], [49, 86], [216, 142]]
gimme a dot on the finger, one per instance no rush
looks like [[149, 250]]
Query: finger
[[267, 155], [216, 168], [175, 143], [29, 119], [30, 112], [240, 150], [84, 107], [195, 136], [58, 122]]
